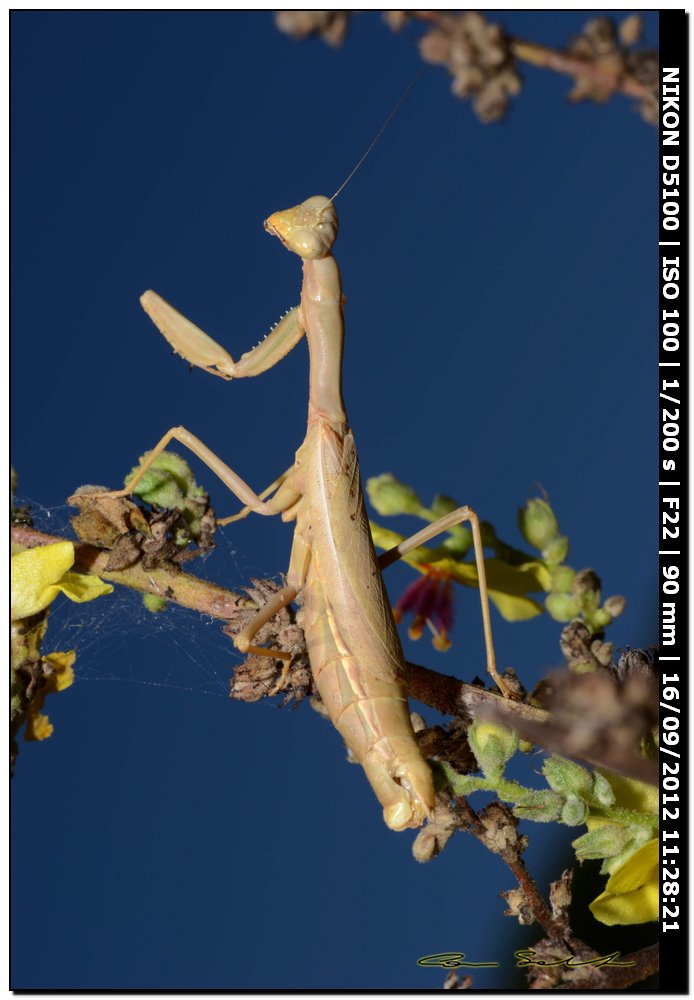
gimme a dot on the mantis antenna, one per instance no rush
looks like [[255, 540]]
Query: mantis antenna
[[380, 132]]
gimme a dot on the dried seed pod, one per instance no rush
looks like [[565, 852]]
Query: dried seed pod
[[478, 56], [330, 25], [435, 47], [601, 33], [397, 19], [518, 906], [630, 30]]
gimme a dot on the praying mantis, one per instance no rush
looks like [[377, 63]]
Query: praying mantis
[[354, 648]]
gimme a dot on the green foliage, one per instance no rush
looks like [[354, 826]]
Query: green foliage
[[513, 574], [621, 814], [169, 484]]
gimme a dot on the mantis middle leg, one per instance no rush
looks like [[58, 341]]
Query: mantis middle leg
[[436, 528], [285, 497], [245, 511]]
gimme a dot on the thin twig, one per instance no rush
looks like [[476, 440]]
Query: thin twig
[[451, 696], [579, 69], [556, 927], [444, 693], [512, 857], [182, 588], [646, 963], [552, 59]]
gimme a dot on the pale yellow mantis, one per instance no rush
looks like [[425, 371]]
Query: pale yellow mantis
[[354, 648]]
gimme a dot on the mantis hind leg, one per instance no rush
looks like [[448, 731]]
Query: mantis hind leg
[[296, 577], [242, 640], [438, 527]]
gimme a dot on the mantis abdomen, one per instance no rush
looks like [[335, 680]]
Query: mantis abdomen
[[353, 644]]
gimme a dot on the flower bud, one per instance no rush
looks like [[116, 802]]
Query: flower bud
[[586, 581], [568, 778], [442, 505], [557, 550], [492, 744], [561, 607], [153, 602], [615, 605], [538, 523], [389, 496], [541, 806], [574, 811], [603, 841], [602, 790], [562, 579], [597, 620]]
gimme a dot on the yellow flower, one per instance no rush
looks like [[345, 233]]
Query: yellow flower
[[632, 891], [39, 575], [631, 894], [60, 676]]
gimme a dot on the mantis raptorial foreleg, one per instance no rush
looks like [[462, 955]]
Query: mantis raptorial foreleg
[[200, 350], [437, 528]]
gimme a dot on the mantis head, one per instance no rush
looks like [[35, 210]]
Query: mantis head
[[308, 229]]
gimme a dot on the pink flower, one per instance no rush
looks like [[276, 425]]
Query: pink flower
[[430, 599]]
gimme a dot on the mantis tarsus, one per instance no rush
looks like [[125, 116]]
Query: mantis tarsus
[[353, 643]]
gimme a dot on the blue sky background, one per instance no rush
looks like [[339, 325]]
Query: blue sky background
[[501, 333]]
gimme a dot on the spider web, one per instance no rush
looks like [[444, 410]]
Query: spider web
[[118, 640]]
